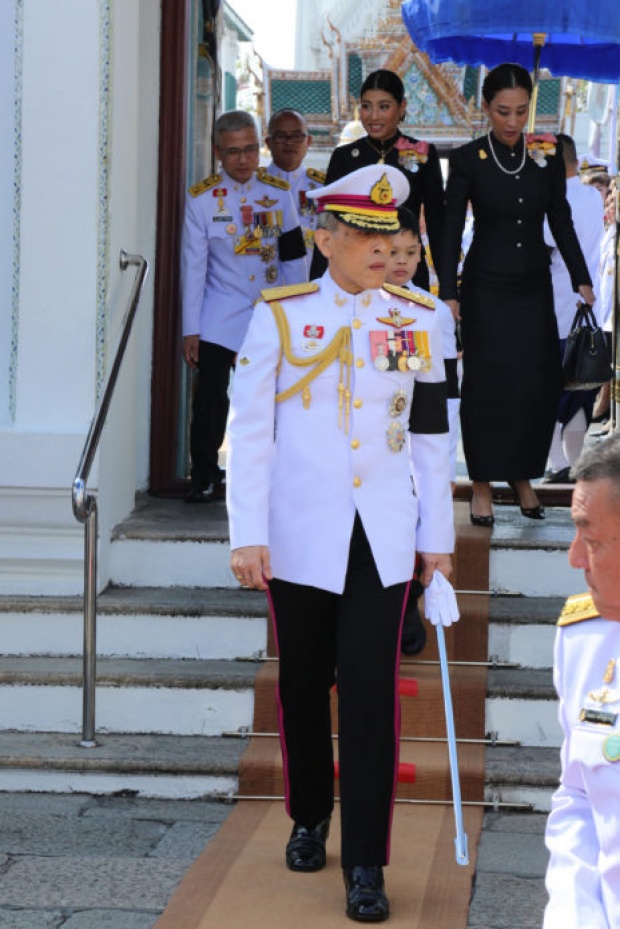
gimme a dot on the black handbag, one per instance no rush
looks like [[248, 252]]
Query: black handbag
[[587, 359]]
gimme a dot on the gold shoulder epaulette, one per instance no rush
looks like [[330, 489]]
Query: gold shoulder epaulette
[[272, 180], [207, 184], [412, 295], [315, 175], [290, 290], [576, 609]]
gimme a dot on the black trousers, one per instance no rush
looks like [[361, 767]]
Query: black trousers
[[210, 411], [351, 639]]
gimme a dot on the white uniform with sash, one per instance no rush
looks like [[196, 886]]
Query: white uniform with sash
[[583, 830]]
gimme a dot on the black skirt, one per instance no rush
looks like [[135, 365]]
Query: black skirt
[[512, 376]]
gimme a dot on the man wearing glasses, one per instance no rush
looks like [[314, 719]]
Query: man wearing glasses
[[241, 234], [288, 140]]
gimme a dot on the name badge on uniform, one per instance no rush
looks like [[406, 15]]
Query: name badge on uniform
[[593, 710]]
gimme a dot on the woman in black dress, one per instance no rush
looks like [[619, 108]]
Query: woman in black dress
[[512, 376], [382, 107]]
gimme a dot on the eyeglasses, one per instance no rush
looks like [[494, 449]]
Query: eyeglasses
[[239, 152], [295, 137]]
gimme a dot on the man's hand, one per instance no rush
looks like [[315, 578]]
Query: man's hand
[[190, 349], [431, 563], [251, 566]]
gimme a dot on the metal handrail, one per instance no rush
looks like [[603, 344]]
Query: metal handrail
[[85, 506]]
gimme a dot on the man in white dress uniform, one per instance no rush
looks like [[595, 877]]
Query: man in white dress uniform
[[583, 830], [328, 507]]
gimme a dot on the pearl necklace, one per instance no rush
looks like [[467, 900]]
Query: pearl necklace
[[497, 161], [381, 152]]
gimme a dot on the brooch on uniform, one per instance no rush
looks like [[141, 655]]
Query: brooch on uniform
[[244, 360], [396, 437], [482, 154], [395, 319], [539, 146], [398, 403]]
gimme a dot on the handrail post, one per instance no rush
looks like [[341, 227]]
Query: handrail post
[[85, 508], [89, 680]]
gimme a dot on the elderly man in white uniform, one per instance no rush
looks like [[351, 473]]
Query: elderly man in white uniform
[[583, 830], [288, 141], [240, 233], [327, 511]]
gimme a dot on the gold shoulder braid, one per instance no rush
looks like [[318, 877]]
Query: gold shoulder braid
[[207, 184], [272, 180], [315, 175], [339, 347], [412, 295], [288, 290], [576, 609]]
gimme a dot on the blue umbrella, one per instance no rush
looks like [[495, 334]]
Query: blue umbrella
[[581, 39]]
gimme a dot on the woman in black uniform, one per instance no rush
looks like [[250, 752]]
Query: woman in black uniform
[[512, 376], [382, 107]]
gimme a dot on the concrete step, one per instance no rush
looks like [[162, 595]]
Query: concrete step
[[141, 622], [149, 765], [522, 630], [182, 697], [521, 705], [529, 557], [519, 774]]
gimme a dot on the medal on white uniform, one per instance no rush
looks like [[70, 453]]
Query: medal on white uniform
[[592, 711]]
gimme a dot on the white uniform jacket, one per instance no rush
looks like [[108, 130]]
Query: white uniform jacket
[[587, 209], [302, 180], [298, 470], [237, 240], [583, 829]]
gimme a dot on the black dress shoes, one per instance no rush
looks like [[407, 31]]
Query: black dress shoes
[[206, 493], [366, 899], [305, 850], [558, 477], [486, 521]]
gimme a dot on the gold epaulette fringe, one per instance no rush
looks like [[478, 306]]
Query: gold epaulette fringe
[[272, 180], [576, 609], [338, 348], [289, 290], [207, 184], [315, 175], [412, 295]]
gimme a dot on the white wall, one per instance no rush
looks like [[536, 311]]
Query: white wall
[[87, 188], [7, 67]]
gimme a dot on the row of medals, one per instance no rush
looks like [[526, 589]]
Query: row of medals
[[593, 712], [255, 228]]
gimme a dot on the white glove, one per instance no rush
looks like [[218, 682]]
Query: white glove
[[440, 607]]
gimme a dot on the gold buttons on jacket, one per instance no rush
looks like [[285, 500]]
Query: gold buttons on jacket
[[357, 482], [356, 323], [355, 443], [357, 403], [360, 363]]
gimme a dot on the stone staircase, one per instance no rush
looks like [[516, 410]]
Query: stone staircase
[[179, 647]]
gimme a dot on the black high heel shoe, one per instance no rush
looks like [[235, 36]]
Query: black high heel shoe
[[486, 521], [532, 512]]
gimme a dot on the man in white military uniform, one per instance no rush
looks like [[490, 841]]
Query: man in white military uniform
[[240, 234], [288, 140], [575, 409], [328, 518], [583, 830]]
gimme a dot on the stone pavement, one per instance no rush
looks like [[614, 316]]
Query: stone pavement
[[84, 862]]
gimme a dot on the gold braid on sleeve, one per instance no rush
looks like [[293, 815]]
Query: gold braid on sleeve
[[339, 348]]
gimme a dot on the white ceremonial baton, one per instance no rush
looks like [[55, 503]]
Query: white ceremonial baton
[[460, 842]]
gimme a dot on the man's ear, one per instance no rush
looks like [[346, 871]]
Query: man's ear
[[322, 240]]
